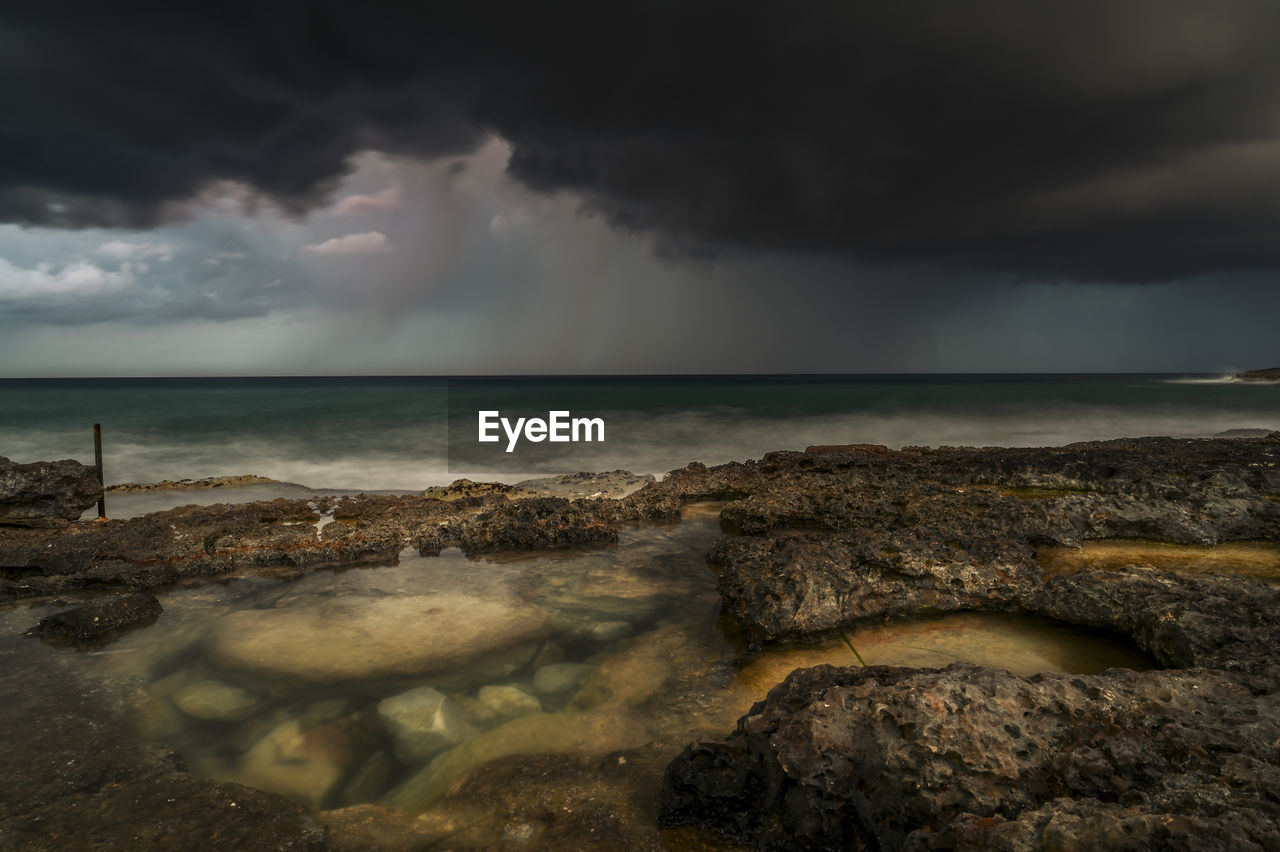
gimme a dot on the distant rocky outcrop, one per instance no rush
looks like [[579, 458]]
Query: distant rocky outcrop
[[46, 494], [1268, 375], [238, 481]]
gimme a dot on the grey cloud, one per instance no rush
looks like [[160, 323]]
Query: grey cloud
[[1082, 140]]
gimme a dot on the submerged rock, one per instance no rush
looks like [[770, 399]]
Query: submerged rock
[[46, 494], [979, 758], [422, 722], [449, 634], [95, 620], [605, 632], [632, 674], [322, 712], [285, 762], [75, 776], [213, 699], [556, 678], [475, 710], [368, 781], [510, 700], [539, 733], [544, 802]]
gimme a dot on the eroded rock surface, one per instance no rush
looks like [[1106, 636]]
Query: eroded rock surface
[[422, 722], [284, 538], [972, 757], [835, 535], [613, 484], [46, 494]]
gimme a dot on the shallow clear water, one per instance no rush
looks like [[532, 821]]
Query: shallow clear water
[[1243, 558], [292, 686]]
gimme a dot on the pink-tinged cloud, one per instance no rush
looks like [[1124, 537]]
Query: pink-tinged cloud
[[379, 202], [370, 242]]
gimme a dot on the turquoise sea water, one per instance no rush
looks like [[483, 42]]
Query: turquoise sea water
[[390, 432]]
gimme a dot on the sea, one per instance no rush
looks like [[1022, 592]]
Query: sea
[[391, 433]]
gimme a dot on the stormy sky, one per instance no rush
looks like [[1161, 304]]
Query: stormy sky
[[513, 187]]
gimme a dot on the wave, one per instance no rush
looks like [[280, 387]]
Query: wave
[[1204, 380], [354, 439], [652, 444]]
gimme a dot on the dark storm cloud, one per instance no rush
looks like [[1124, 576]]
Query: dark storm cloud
[[1113, 140]]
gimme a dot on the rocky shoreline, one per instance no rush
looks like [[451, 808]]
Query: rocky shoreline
[[237, 481], [965, 757], [975, 758], [1269, 375], [824, 540]]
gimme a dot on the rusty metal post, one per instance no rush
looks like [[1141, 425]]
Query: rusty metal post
[[97, 463]]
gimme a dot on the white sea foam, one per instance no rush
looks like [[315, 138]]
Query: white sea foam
[[653, 444], [368, 448], [1204, 380]]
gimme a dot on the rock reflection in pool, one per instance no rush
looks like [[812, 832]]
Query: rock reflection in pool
[[342, 688]]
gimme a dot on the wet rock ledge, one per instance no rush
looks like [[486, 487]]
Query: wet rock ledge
[[286, 538], [977, 758]]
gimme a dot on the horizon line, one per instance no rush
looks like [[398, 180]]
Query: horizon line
[[625, 375]]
